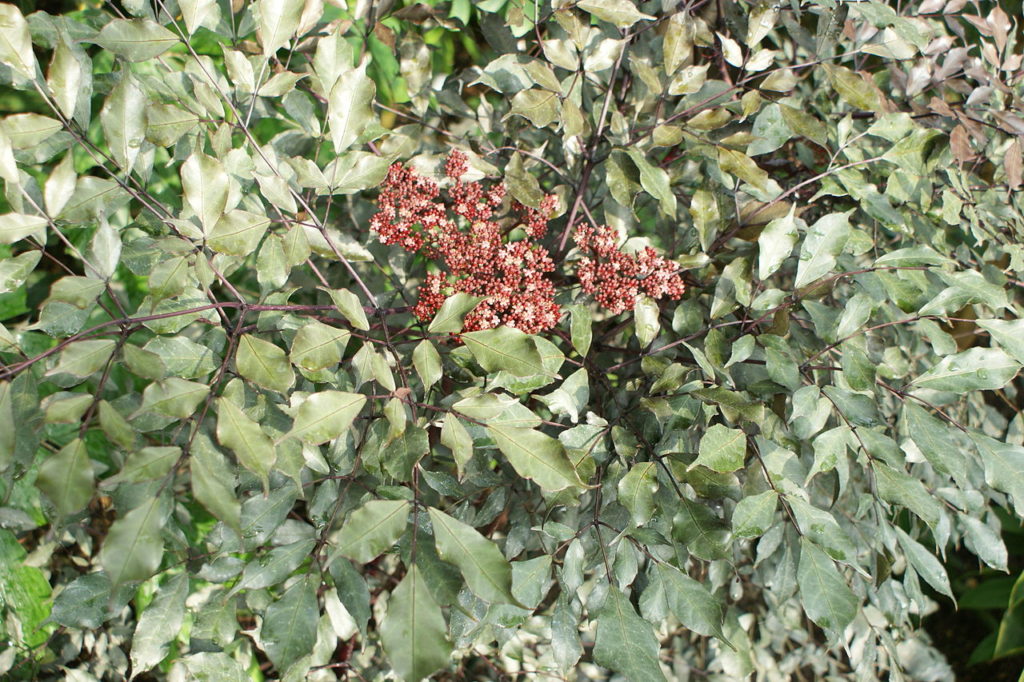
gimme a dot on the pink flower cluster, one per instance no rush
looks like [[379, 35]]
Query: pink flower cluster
[[475, 251], [615, 278], [476, 255]]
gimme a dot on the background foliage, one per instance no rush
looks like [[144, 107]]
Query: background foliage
[[229, 451]]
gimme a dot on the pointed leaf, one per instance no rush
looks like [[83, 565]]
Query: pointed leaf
[[159, 624], [136, 39], [827, 599], [536, 456], [372, 529], [15, 42], [486, 571], [133, 548], [253, 448], [289, 624], [695, 607], [721, 449], [625, 642], [413, 632], [264, 364], [326, 415], [206, 183], [449, 316], [636, 491], [67, 478], [505, 348]]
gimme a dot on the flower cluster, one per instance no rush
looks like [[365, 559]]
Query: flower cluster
[[615, 278], [477, 255], [474, 250]]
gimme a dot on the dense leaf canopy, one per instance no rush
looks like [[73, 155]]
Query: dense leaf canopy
[[655, 339]]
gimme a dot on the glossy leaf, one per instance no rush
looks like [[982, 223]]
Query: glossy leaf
[[133, 548], [625, 642], [487, 572], [372, 529], [413, 632]]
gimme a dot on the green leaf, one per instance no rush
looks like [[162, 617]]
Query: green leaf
[[536, 456], [487, 573], [318, 346], [237, 232], [289, 624], [133, 548], [580, 328], [743, 167], [427, 362], [355, 171], [123, 118], [1004, 467], [146, 464], [645, 320], [253, 448], [706, 216], [827, 599], [655, 182], [67, 78], [159, 624], [1009, 334], [83, 358], [540, 107], [721, 449], [145, 363], [413, 632], [571, 397], [776, 241], [213, 482], [15, 42], [622, 13], [824, 242], [136, 39], [449, 316], [174, 397], [183, 357], [821, 527], [349, 107], [505, 349], [274, 567], [372, 529], [67, 478], [29, 130], [278, 21], [695, 607], [925, 563], [455, 437], [898, 487], [16, 226], [624, 641], [975, 369], [985, 543], [264, 364], [326, 415], [167, 123], [83, 603], [14, 271], [8, 437], [205, 184], [198, 13], [522, 185], [704, 534], [754, 514], [214, 667], [852, 87], [348, 304], [636, 491]]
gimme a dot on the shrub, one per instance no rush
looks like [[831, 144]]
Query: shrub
[[664, 339]]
